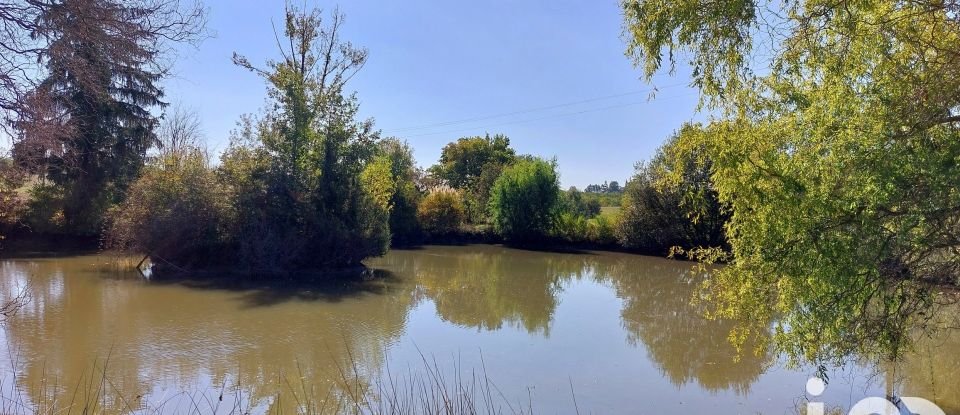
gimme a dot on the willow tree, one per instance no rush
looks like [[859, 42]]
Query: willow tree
[[835, 145]]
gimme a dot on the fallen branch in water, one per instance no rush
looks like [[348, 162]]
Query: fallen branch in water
[[11, 306]]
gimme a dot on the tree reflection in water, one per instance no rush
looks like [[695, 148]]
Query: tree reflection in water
[[264, 338], [487, 287], [184, 335]]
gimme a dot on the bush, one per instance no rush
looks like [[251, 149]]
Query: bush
[[575, 202], [658, 214], [601, 230], [524, 201], [571, 227], [404, 226], [44, 209], [441, 212], [175, 212], [651, 219]]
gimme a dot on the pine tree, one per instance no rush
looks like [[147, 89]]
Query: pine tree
[[103, 65]]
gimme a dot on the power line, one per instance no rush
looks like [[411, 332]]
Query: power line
[[568, 114], [529, 110]]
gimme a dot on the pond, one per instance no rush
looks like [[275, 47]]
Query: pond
[[587, 332]]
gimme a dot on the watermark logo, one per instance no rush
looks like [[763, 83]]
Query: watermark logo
[[873, 405]]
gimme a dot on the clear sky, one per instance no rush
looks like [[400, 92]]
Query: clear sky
[[440, 61]]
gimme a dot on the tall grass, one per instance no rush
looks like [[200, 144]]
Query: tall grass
[[426, 389]]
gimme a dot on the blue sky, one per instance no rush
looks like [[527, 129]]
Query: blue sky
[[436, 62]]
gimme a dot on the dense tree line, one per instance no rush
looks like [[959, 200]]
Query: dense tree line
[[305, 184], [605, 187]]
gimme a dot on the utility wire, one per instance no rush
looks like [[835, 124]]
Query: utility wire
[[568, 114], [529, 110]]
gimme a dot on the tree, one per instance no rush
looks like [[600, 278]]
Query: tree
[[309, 203], [575, 203], [18, 19], [462, 162], [404, 226], [658, 214], [836, 160], [11, 205], [87, 125], [524, 201], [472, 164], [605, 188], [441, 212], [315, 126], [179, 131], [304, 185]]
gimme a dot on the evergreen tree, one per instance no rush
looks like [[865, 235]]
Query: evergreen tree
[[102, 68]]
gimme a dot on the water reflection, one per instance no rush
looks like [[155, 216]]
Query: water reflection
[[264, 338], [485, 289], [488, 287], [158, 336], [658, 312]]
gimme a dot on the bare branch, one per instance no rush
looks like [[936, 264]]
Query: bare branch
[[180, 131]]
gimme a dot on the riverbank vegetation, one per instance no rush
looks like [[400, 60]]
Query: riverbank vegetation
[[826, 179], [835, 150], [304, 184]]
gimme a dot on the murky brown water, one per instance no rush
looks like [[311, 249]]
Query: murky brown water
[[617, 329]]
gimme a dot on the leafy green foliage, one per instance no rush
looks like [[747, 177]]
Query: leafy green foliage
[[571, 227], [11, 204], [378, 182], [462, 162], [44, 209], [88, 126], [303, 184], [838, 163], [525, 200], [404, 226], [576, 203], [601, 230], [659, 214], [603, 199], [441, 212], [176, 211], [472, 165]]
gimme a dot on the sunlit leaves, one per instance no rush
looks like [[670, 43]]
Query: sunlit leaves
[[838, 163]]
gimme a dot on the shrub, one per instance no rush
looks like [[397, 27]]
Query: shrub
[[602, 230], [175, 212], [658, 213], [524, 201], [650, 219], [441, 212], [575, 202], [44, 209], [571, 227]]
